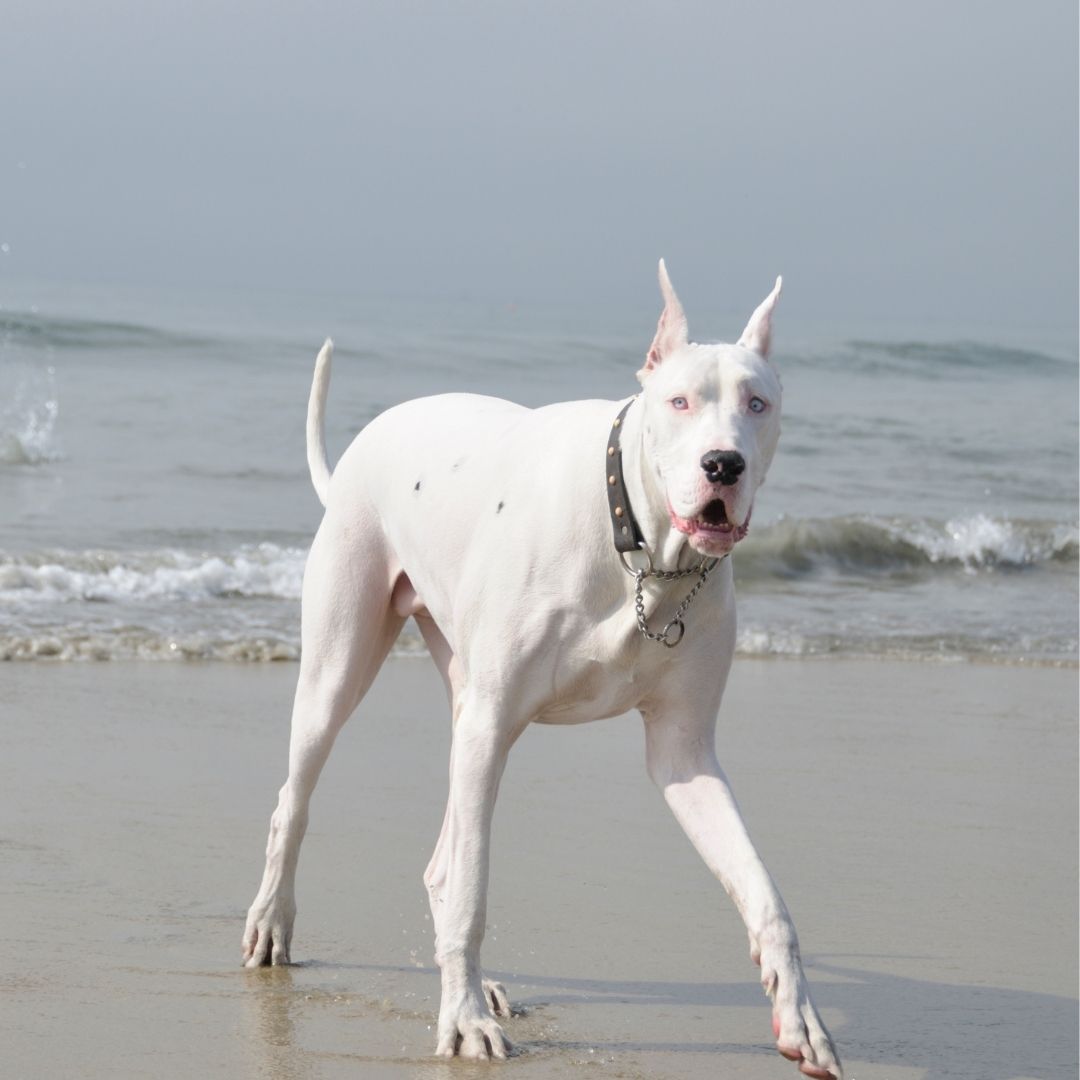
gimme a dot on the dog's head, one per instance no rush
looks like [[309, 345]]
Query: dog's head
[[711, 423]]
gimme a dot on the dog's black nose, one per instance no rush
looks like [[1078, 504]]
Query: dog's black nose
[[723, 466]]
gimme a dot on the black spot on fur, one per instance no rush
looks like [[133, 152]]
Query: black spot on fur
[[417, 487], [498, 509]]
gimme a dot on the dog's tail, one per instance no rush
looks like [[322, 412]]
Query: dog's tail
[[316, 443]]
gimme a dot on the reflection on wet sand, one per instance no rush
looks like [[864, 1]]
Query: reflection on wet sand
[[271, 1011]]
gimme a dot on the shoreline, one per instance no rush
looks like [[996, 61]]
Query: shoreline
[[922, 831], [50, 650]]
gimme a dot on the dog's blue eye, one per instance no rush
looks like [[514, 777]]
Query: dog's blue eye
[[757, 404], [680, 403]]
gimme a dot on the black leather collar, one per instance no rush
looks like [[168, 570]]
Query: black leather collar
[[624, 525]]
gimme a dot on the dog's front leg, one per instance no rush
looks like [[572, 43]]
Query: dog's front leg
[[683, 764], [480, 747]]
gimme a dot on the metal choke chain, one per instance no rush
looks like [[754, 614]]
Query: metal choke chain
[[673, 632]]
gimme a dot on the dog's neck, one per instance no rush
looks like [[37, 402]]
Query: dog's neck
[[670, 548]]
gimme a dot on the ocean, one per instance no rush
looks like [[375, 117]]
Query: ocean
[[155, 501]]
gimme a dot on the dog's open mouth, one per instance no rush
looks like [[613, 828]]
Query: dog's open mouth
[[711, 526], [714, 516]]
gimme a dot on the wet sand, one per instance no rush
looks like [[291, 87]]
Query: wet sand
[[919, 819]]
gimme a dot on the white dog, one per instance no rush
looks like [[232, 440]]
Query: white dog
[[564, 564]]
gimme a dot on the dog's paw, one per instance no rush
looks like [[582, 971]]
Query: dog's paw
[[268, 932], [497, 1001], [472, 1035], [803, 1038], [800, 1034]]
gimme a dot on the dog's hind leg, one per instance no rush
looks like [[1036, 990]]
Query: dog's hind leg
[[435, 874], [349, 626]]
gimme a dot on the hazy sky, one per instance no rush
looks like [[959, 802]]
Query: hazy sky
[[903, 161]]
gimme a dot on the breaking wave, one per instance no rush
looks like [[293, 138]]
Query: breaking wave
[[252, 571], [902, 547], [863, 546]]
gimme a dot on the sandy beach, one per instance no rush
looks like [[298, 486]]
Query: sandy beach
[[919, 819]]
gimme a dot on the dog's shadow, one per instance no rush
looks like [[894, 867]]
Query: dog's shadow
[[947, 1029], [976, 1032]]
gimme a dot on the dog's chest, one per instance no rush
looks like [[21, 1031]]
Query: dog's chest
[[592, 691], [574, 661], [604, 672]]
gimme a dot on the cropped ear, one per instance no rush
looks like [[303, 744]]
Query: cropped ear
[[671, 332], [758, 332]]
